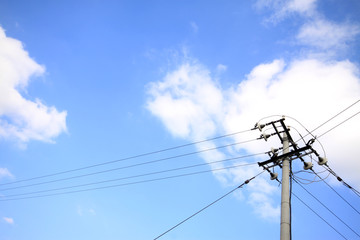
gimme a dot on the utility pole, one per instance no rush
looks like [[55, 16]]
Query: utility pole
[[283, 161], [285, 196]]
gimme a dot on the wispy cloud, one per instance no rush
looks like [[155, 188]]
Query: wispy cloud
[[22, 119], [281, 9], [323, 34], [5, 173], [81, 211], [316, 32], [221, 68], [9, 220], [194, 27]]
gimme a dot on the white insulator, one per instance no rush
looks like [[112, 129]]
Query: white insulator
[[274, 152], [307, 165], [259, 126], [322, 160], [265, 136], [273, 176]]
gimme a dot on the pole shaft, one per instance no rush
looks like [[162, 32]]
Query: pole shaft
[[285, 196]]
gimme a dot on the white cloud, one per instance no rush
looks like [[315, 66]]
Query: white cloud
[[22, 119], [81, 211], [300, 6], [283, 8], [323, 34], [92, 212], [263, 206], [316, 31], [5, 173], [221, 68], [187, 101], [194, 27], [193, 106], [9, 220], [310, 91]]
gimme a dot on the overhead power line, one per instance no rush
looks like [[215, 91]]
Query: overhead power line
[[207, 206], [319, 216], [284, 161], [126, 158], [138, 175], [338, 194], [327, 208], [322, 124], [126, 184], [162, 150], [127, 166], [327, 167], [309, 181], [357, 101], [330, 119], [133, 165], [338, 124]]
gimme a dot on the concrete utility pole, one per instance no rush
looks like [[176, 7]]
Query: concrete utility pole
[[285, 196], [284, 161]]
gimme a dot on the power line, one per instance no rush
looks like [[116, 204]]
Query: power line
[[341, 180], [136, 176], [285, 215], [207, 206], [124, 184], [336, 115], [299, 179], [126, 158], [338, 194], [318, 215], [310, 132], [159, 151], [338, 124], [302, 138], [129, 166], [327, 208]]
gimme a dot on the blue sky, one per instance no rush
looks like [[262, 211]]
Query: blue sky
[[89, 82]]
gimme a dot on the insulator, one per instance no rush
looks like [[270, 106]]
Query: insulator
[[265, 136], [274, 152], [322, 160], [259, 126], [307, 165], [273, 176]]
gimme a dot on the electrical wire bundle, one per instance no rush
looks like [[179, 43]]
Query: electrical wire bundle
[[57, 183], [62, 177]]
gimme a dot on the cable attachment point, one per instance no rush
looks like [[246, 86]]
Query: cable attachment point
[[311, 141], [259, 126], [322, 161], [273, 152], [247, 181], [264, 136], [308, 165], [273, 176]]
